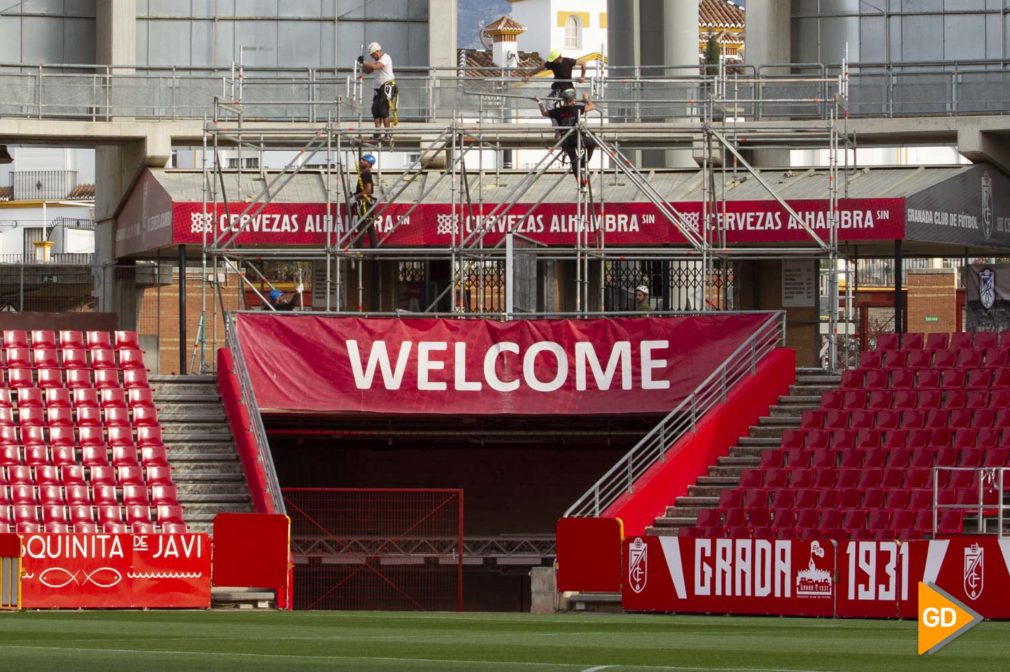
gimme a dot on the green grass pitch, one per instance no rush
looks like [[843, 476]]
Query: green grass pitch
[[115, 641]]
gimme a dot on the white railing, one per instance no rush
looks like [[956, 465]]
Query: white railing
[[263, 455], [988, 503], [621, 478]]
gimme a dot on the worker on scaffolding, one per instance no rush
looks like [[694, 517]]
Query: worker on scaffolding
[[364, 199], [642, 304], [276, 297], [386, 98], [576, 144], [562, 68]]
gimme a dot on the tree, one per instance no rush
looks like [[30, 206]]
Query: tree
[[712, 55]]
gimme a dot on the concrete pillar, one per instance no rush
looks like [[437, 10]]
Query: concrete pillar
[[116, 32], [769, 38], [623, 34], [769, 41], [442, 33]]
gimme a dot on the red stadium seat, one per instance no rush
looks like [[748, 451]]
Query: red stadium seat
[[173, 528], [75, 358], [116, 417], [155, 456], [812, 419], [879, 400], [45, 358], [6, 417], [47, 475], [832, 399], [10, 455], [902, 379], [108, 515], [33, 436], [131, 359], [5, 398], [59, 416], [31, 416], [102, 475], [94, 456], [887, 342], [57, 398], [944, 359], [962, 339], [63, 456], [124, 456], [29, 398], [138, 514], [25, 513], [104, 495], [16, 338], [141, 397], [43, 339], [49, 379], [977, 399], [159, 476], [126, 339], [979, 378], [852, 379], [73, 474], [913, 341], [877, 379], [72, 339], [98, 339], [107, 380], [91, 437], [103, 358], [24, 494], [79, 380], [120, 436], [19, 379], [89, 416], [51, 495], [843, 439], [168, 494], [78, 495], [149, 436], [135, 379], [18, 358], [893, 359], [995, 357], [130, 475], [8, 436], [905, 399], [927, 379], [869, 359], [986, 339], [112, 397], [81, 513], [919, 359], [936, 342], [135, 495], [144, 416], [85, 528]]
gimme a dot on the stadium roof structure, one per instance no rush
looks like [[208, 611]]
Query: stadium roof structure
[[946, 210]]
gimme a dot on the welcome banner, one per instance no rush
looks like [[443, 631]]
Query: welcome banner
[[329, 365]]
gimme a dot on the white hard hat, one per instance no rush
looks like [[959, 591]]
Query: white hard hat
[[374, 47], [643, 289]]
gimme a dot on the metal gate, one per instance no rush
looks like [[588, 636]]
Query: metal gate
[[390, 549]]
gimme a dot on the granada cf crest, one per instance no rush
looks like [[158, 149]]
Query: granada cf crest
[[974, 570], [987, 287], [638, 565]]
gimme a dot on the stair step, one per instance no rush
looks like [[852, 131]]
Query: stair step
[[730, 471], [786, 411], [811, 390], [774, 421], [758, 441], [738, 461], [811, 400], [822, 379], [706, 490], [190, 412], [663, 521], [654, 531], [720, 481], [747, 451], [206, 476], [684, 511], [213, 498], [704, 502], [769, 432]]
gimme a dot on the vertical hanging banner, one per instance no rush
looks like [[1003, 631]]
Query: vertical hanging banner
[[88, 571]]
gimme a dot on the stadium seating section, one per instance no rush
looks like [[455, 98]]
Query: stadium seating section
[[861, 466], [80, 444]]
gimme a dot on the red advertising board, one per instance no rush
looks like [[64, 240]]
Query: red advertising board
[[102, 571], [730, 576], [301, 363], [627, 224], [865, 579]]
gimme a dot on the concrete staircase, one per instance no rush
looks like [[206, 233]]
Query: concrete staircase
[[766, 435], [205, 465]]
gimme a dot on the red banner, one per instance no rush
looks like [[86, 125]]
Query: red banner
[[866, 579], [628, 224], [300, 363], [71, 571], [730, 576]]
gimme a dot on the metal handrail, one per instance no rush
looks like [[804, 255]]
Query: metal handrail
[[621, 477], [263, 455], [988, 478]]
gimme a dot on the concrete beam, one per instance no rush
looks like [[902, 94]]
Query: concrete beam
[[984, 146]]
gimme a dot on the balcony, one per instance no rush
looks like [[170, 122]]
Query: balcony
[[39, 185]]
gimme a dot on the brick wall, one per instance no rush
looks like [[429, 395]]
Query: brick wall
[[158, 324], [932, 301]]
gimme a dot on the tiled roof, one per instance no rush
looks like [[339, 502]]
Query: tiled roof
[[478, 58], [82, 192], [722, 13], [504, 25]]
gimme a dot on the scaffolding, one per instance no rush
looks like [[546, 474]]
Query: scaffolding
[[718, 140]]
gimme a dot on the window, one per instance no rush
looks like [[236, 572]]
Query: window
[[573, 33], [247, 163]]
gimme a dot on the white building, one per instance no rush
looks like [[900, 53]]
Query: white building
[[576, 27]]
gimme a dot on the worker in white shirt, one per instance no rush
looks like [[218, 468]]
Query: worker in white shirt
[[387, 95]]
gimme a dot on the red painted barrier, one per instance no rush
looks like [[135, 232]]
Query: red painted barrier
[[856, 579], [245, 442], [692, 455], [589, 554], [253, 551], [86, 571]]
